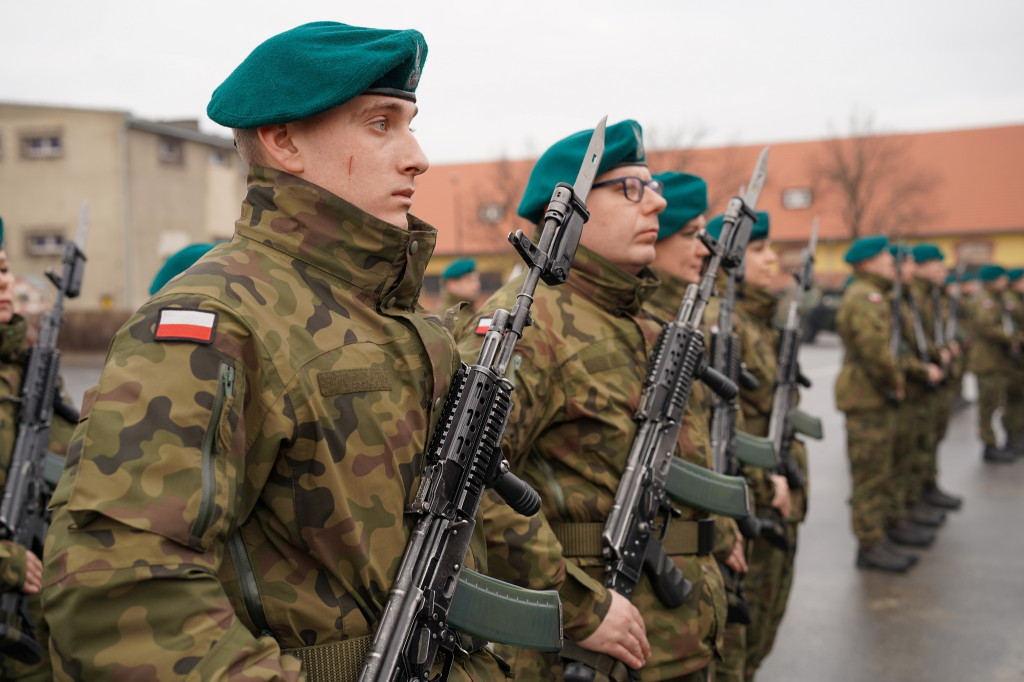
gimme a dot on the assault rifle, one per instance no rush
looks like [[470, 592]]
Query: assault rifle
[[642, 511], [786, 419], [464, 458], [953, 322], [920, 336], [23, 514]]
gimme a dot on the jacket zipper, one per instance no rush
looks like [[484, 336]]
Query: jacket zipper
[[225, 387]]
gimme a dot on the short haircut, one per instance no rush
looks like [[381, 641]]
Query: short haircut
[[249, 146]]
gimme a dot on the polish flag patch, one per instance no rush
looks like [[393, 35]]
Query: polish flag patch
[[181, 324], [483, 325], [875, 297]]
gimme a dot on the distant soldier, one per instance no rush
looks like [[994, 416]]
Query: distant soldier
[[869, 386], [461, 283], [995, 351], [1013, 417], [233, 506]]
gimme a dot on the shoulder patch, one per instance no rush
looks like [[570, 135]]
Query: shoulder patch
[[875, 297], [483, 325], [184, 324]]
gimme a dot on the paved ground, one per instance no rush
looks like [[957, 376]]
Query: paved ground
[[958, 615]]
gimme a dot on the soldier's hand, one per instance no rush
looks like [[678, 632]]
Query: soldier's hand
[[955, 349], [935, 373], [781, 499], [622, 634], [33, 574], [737, 559], [944, 356]]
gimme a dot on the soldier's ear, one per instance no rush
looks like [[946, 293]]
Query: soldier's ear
[[280, 147]]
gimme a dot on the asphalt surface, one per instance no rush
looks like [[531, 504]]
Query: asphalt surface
[[957, 615]]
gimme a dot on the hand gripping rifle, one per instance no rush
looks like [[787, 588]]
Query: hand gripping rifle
[[786, 419], [464, 458], [23, 515]]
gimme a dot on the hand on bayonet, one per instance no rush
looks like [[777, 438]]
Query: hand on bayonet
[[622, 634]]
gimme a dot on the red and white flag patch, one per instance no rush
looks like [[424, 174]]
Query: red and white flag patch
[[483, 325], [875, 297], [181, 324]]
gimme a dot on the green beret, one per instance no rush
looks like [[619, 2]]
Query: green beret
[[1015, 274], [901, 251], [623, 146], [459, 268], [759, 231], [990, 273], [687, 197], [316, 67], [927, 252], [865, 247], [178, 263]]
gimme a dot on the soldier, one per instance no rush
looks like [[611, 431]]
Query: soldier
[[579, 376], [868, 387], [233, 503], [461, 285], [1013, 418], [994, 352], [20, 569]]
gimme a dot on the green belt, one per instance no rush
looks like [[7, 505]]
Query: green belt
[[335, 661], [682, 538], [807, 425], [707, 491], [755, 451]]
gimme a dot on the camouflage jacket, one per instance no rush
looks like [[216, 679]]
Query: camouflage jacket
[[864, 321], [276, 435], [990, 350], [913, 367], [579, 373], [695, 435]]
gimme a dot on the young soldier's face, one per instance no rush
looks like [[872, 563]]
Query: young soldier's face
[[364, 151], [761, 261], [6, 289], [620, 230], [682, 254]]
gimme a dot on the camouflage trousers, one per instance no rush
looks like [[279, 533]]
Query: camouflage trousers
[[925, 410], [767, 586], [870, 439], [991, 396], [907, 452], [734, 655], [1013, 415], [11, 670]]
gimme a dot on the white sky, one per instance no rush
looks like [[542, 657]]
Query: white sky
[[507, 79]]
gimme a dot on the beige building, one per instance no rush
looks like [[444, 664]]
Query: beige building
[[152, 188]]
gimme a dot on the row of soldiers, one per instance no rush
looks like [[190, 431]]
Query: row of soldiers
[[910, 331]]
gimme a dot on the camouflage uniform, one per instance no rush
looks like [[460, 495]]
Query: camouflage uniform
[[245, 479], [990, 359], [1013, 417], [13, 360], [578, 375], [869, 374]]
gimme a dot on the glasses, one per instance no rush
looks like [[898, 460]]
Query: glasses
[[633, 187]]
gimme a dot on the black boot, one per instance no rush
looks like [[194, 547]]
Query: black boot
[[996, 455], [897, 551], [924, 514], [939, 498], [878, 558], [906, 533]]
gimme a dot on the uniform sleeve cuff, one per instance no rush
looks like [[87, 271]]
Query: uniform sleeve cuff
[[585, 603]]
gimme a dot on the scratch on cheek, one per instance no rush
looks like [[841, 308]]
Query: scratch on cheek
[[350, 166]]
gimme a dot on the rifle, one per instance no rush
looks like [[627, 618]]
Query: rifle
[[24, 518], [786, 419], [954, 306], [642, 511], [920, 336], [896, 321], [464, 457]]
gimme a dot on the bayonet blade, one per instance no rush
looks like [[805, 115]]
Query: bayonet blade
[[756, 183], [588, 171], [83, 225], [812, 245]]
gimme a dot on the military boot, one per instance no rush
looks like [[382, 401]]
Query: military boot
[[906, 533], [936, 497], [924, 514], [877, 557], [897, 551], [997, 455]]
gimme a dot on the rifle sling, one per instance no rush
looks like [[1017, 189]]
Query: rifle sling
[[683, 538]]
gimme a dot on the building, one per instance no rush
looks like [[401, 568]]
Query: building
[[152, 188]]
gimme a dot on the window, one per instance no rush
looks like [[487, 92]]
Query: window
[[42, 145], [170, 151], [974, 252], [44, 242], [797, 198], [491, 214]]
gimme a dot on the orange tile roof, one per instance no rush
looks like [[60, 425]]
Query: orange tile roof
[[976, 173]]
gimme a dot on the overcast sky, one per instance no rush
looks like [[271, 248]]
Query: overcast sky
[[506, 79]]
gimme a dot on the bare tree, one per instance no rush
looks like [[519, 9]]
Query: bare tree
[[497, 201], [879, 188]]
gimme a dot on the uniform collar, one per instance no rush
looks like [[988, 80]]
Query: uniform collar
[[312, 225], [608, 285], [757, 301], [12, 340], [873, 279]]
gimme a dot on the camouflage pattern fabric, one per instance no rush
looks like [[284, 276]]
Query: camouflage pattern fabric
[[990, 360], [579, 375], [13, 360], [300, 427], [1013, 418], [868, 374]]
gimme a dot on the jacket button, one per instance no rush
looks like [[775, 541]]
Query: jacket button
[[414, 247]]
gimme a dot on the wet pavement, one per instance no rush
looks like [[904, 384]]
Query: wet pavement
[[957, 615]]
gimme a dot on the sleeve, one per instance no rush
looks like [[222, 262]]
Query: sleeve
[[870, 335], [13, 566], [141, 517]]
